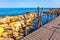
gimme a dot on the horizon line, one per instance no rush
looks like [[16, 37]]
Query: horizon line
[[29, 7]]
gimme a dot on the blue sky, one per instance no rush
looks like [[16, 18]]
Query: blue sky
[[29, 3]]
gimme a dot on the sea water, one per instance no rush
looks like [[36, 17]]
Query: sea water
[[21, 11]]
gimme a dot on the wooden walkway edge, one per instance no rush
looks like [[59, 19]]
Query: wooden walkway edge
[[50, 31]]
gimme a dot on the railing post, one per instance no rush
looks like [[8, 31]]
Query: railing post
[[39, 17], [26, 26], [42, 9]]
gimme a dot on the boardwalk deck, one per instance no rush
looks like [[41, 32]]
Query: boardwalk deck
[[50, 31]]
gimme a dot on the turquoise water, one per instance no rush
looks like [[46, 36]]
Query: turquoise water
[[20, 11]]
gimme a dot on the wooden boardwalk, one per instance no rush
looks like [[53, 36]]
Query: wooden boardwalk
[[50, 31]]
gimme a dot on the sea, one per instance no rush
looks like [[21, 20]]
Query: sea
[[21, 11]]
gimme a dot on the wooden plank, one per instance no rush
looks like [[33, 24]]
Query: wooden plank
[[42, 34], [56, 35]]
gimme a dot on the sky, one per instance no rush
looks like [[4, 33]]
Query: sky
[[29, 3]]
